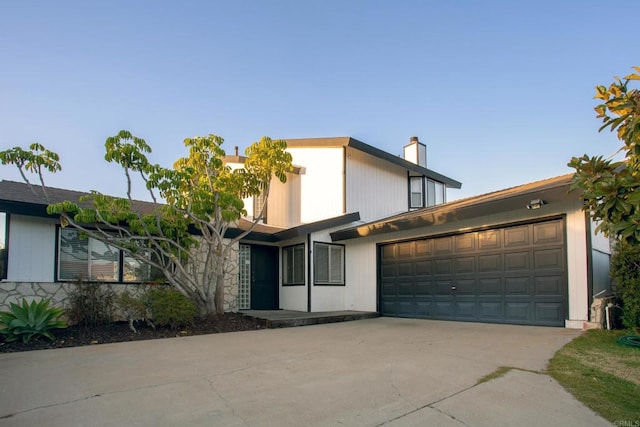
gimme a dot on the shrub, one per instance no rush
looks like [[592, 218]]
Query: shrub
[[169, 307], [29, 321], [90, 304], [133, 309], [625, 271]]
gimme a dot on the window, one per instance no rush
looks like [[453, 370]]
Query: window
[[431, 192], [416, 191], [293, 265], [90, 259], [4, 244], [328, 265], [440, 193], [258, 204]]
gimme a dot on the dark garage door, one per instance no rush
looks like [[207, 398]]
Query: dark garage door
[[513, 274]]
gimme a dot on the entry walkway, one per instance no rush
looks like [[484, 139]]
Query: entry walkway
[[288, 318]]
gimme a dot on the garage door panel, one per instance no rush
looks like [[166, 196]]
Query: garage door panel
[[491, 310], [465, 265], [517, 285], [548, 258], [548, 232], [489, 263], [465, 287], [514, 274], [466, 310], [518, 311], [516, 261], [443, 266], [548, 285], [490, 286], [516, 236]]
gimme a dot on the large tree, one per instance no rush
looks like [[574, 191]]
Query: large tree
[[611, 189], [194, 205]]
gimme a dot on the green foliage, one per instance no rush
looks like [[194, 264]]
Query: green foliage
[[132, 308], [30, 320], [169, 307], [204, 197], [611, 190], [90, 304], [625, 271]]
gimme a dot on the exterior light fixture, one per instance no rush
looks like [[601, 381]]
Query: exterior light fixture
[[535, 204]]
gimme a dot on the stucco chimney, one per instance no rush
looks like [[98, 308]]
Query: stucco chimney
[[416, 152]]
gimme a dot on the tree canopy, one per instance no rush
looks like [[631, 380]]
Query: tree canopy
[[611, 189], [194, 205]]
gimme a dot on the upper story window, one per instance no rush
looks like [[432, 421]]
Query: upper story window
[[81, 257], [424, 192]]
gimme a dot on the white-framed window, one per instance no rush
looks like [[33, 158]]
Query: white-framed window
[[293, 265], [82, 257], [328, 266], [416, 192]]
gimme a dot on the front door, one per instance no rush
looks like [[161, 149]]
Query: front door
[[264, 277]]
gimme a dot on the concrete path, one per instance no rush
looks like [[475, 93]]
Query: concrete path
[[374, 372]]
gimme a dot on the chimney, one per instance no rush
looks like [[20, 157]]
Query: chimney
[[236, 147], [416, 152]]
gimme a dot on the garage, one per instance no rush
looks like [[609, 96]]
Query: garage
[[514, 274]]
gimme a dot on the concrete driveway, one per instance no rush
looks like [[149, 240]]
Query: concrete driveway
[[391, 372]]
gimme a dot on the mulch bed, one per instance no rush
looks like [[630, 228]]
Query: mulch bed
[[75, 336]]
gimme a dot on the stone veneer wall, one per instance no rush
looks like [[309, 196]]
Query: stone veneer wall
[[57, 293]]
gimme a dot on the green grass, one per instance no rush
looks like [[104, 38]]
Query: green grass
[[602, 374]]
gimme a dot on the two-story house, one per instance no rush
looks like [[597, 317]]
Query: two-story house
[[357, 228]]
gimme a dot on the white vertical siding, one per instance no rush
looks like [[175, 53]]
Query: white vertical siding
[[283, 205], [577, 270], [375, 188], [32, 245], [321, 188]]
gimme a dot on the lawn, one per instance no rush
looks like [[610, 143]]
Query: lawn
[[602, 374]]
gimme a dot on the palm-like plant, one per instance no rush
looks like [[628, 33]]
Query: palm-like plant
[[30, 320]]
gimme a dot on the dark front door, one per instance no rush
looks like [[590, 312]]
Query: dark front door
[[264, 277]]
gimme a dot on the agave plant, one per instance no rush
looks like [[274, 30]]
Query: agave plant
[[30, 320]]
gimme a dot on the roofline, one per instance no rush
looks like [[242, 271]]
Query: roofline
[[551, 191], [347, 141]]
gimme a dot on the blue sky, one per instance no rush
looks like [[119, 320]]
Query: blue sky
[[500, 91]]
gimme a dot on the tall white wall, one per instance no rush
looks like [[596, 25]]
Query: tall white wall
[[375, 188], [32, 246], [321, 188], [283, 205]]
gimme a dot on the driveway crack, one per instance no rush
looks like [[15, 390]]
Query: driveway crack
[[226, 402]]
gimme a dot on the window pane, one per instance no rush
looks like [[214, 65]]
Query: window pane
[[135, 270], [416, 192], [431, 193], [298, 264], [104, 261], [439, 193], [322, 263], [73, 259], [337, 254]]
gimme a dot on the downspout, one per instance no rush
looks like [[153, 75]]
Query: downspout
[[309, 255], [344, 180]]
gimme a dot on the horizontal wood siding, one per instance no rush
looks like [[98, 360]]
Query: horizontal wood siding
[[375, 188], [31, 249]]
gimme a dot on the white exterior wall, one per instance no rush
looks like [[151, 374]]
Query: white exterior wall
[[283, 205], [321, 187], [361, 257], [294, 297], [323, 297], [375, 187], [32, 246]]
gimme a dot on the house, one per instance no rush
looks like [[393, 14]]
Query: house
[[357, 228]]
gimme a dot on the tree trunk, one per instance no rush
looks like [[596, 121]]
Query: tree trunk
[[220, 294]]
